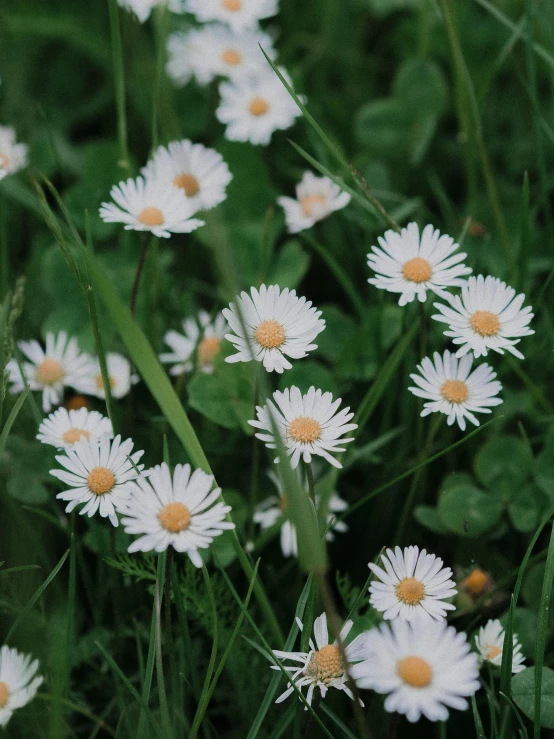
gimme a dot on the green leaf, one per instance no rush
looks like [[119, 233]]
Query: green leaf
[[468, 511], [525, 628], [504, 464], [383, 126], [26, 488], [225, 397], [420, 85], [526, 507], [544, 467], [523, 693], [289, 266], [429, 517], [305, 373]]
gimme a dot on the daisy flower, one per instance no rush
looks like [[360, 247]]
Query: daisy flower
[[59, 365], [13, 156], [152, 204], [410, 265], [239, 14], [203, 336], [200, 173], [143, 8], [490, 643], [452, 390], [99, 475], [271, 323], [253, 107], [322, 667], [64, 428], [488, 315], [119, 372], [423, 667], [316, 198], [181, 512], [413, 585], [19, 681], [308, 424]]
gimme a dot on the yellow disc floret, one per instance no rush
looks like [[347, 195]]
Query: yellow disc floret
[[207, 350], [493, 651], [4, 694], [258, 106], [188, 183], [73, 435], [476, 581], [175, 517], [485, 323], [310, 201], [410, 591], [305, 429], [415, 671], [232, 5], [151, 217], [455, 391], [100, 480], [231, 57], [270, 334], [49, 372], [417, 270], [325, 665]]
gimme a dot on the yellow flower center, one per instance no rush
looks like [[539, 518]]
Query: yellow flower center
[[76, 402], [175, 517], [232, 57], [188, 183], [485, 323], [309, 201], [73, 435], [493, 651], [49, 372], [207, 349], [4, 164], [100, 480], [325, 665], [270, 334], [455, 391], [410, 591], [305, 429], [232, 5], [415, 672], [151, 217], [4, 694], [475, 582], [417, 270], [100, 382], [258, 106]]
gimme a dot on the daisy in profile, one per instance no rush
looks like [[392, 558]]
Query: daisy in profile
[[142, 8], [410, 264], [488, 315], [152, 204], [200, 173], [98, 475], [316, 198], [63, 428], [451, 388], [490, 643], [239, 14], [322, 667], [120, 375], [423, 668], [412, 586], [19, 681], [13, 156], [203, 336], [59, 365], [270, 325], [181, 511], [253, 107], [309, 424]]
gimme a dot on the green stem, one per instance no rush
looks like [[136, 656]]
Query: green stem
[[164, 710], [168, 628], [162, 17], [256, 444], [4, 252], [311, 484], [138, 273], [542, 633], [119, 81]]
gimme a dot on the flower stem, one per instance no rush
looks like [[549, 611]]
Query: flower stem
[[310, 478], [119, 80], [138, 273]]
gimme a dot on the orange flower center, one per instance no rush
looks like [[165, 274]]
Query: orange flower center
[[232, 57], [325, 665], [232, 5], [415, 672], [475, 582], [4, 164], [258, 106], [410, 591], [270, 334], [207, 349], [417, 270], [175, 517], [4, 694], [73, 435], [188, 183], [485, 323], [151, 217], [455, 391], [310, 201], [305, 429], [100, 382], [493, 651], [100, 480], [49, 372], [76, 402]]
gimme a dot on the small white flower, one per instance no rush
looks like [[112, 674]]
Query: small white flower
[[488, 315], [13, 156], [413, 585], [64, 428], [181, 512], [203, 336], [316, 198], [239, 14], [322, 667], [152, 204], [143, 8], [19, 681], [119, 372], [270, 324], [410, 265], [99, 475], [452, 390], [490, 643], [59, 365], [306, 423], [423, 666], [254, 107]]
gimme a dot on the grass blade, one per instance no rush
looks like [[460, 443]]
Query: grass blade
[[542, 632], [479, 731], [11, 419], [119, 81]]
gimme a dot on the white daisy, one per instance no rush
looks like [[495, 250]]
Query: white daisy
[[239, 14], [452, 390], [412, 586], [98, 475], [64, 428], [13, 156], [488, 315], [119, 372], [253, 107], [270, 324], [410, 265], [316, 198], [152, 204], [490, 643], [423, 666], [202, 336], [19, 681], [306, 423], [59, 365], [322, 667], [143, 8], [181, 512]]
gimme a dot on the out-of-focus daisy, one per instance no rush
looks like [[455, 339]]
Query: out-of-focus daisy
[[181, 512], [203, 336], [308, 424], [322, 667], [270, 324], [151, 204], [119, 372], [13, 156], [488, 315], [410, 265], [316, 198], [64, 428], [239, 14], [143, 8], [59, 365], [413, 585], [253, 107], [198, 171], [423, 666], [98, 475], [476, 584], [490, 643], [19, 681], [447, 383]]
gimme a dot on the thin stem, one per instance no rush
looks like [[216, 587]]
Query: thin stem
[[423, 330], [119, 80], [164, 710], [168, 629], [255, 462], [4, 253], [310, 478], [138, 273]]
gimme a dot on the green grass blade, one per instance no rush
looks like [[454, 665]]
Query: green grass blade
[[11, 419], [22, 568], [542, 633], [119, 82], [479, 731], [336, 720], [517, 714]]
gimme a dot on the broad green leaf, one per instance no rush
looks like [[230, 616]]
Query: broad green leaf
[[503, 465], [289, 266], [226, 397], [468, 511], [383, 126], [429, 517], [525, 628], [305, 373], [420, 85], [526, 507], [339, 329], [523, 692]]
